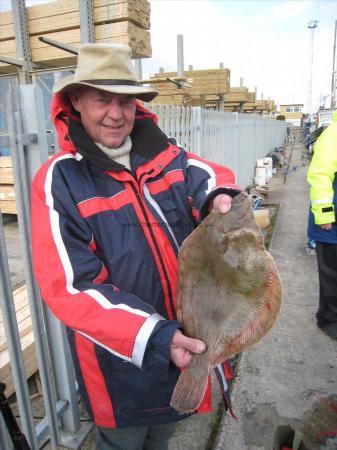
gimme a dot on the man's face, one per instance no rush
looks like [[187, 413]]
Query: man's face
[[107, 118]]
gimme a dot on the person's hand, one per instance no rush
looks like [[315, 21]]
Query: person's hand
[[326, 226], [222, 203], [182, 348]]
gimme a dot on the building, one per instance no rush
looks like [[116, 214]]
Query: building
[[292, 113]]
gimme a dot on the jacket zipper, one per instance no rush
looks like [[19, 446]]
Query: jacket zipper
[[170, 295]]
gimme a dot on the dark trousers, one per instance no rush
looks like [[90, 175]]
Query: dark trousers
[[327, 273], [155, 437]]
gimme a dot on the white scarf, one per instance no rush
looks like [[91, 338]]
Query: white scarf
[[121, 154]]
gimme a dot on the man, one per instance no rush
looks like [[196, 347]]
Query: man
[[322, 224], [109, 213]]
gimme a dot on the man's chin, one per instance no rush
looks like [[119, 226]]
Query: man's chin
[[113, 143]]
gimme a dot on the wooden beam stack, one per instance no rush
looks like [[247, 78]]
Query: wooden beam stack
[[202, 83], [7, 193], [26, 338], [118, 21], [237, 95]]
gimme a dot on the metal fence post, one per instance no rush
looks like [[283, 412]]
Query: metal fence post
[[13, 342], [236, 145], [200, 132], [16, 136], [71, 432]]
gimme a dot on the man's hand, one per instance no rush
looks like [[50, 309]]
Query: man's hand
[[182, 348], [326, 226], [222, 203]]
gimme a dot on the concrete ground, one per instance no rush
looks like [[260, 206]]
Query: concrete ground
[[283, 378], [280, 378]]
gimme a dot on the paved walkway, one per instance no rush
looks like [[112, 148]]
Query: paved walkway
[[282, 377]]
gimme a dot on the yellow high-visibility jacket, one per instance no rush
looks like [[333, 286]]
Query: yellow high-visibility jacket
[[322, 174]]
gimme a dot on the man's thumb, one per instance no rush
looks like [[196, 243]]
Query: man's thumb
[[194, 345]]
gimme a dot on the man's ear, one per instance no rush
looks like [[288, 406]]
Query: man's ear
[[74, 97]]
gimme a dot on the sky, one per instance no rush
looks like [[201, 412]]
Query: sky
[[266, 42]]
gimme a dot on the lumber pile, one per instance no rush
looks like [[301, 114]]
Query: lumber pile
[[237, 95], [118, 21], [258, 105], [7, 193], [26, 338], [202, 83]]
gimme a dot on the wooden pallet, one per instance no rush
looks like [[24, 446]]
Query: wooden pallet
[[26, 338]]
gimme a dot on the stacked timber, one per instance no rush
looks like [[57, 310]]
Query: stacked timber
[[237, 95], [233, 99], [117, 21], [26, 338], [201, 83], [258, 105], [7, 193]]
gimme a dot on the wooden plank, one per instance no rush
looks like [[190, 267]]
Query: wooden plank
[[5, 161], [6, 175], [31, 367], [21, 306], [7, 192], [26, 340]]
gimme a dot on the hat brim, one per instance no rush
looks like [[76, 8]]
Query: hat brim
[[68, 84]]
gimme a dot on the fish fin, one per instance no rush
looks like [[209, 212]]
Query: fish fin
[[190, 389]]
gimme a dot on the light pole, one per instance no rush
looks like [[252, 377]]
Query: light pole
[[312, 24]]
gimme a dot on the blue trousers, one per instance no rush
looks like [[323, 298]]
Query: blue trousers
[[154, 437]]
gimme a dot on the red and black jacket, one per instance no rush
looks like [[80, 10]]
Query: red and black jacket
[[105, 245]]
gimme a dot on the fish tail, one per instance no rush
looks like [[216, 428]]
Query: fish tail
[[190, 389]]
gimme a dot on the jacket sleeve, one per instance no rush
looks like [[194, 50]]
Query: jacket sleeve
[[321, 174], [75, 283], [204, 181]]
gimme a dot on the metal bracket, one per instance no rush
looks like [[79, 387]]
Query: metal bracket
[[66, 47], [180, 85], [29, 138]]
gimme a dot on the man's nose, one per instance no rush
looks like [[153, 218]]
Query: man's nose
[[115, 110]]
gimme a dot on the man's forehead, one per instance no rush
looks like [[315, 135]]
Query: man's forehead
[[98, 93]]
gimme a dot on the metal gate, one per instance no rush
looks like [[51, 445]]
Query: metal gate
[[61, 424]]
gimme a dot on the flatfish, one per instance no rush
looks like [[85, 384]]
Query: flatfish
[[229, 294]]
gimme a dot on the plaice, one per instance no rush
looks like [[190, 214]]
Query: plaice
[[229, 294]]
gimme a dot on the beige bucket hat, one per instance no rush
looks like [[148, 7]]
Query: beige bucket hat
[[107, 67]]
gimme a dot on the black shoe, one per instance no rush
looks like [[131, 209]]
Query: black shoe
[[329, 330]]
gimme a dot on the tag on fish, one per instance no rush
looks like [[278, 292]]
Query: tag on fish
[[229, 294]]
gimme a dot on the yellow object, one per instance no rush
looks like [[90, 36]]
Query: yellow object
[[321, 175]]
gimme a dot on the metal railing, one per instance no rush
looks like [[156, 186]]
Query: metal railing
[[235, 140], [231, 139]]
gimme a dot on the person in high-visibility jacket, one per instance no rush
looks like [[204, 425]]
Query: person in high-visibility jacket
[[322, 224]]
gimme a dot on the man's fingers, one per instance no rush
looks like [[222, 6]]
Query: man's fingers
[[190, 344], [222, 203]]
